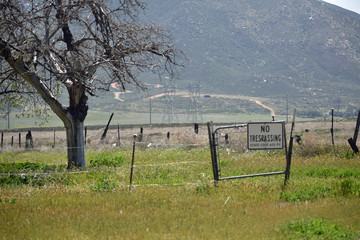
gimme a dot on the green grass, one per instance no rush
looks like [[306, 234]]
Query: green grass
[[316, 229], [95, 118], [173, 200]]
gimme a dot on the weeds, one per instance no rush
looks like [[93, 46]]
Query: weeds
[[323, 172], [71, 204], [347, 154], [306, 195], [103, 184], [107, 162], [349, 187], [203, 189], [12, 201], [30, 167], [316, 229], [346, 187]]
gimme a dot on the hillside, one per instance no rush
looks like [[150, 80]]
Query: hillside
[[265, 48]]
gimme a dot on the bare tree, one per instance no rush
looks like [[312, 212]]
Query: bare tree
[[82, 46]]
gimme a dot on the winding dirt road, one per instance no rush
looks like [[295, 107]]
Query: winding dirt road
[[117, 94], [264, 106]]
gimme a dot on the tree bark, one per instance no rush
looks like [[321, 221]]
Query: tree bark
[[76, 113], [75, 144]]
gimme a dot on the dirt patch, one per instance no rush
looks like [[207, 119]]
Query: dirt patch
[[264, 106]]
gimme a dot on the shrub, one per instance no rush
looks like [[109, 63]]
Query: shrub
[[312, 146]]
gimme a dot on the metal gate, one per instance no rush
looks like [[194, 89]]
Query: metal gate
[[229, 143]]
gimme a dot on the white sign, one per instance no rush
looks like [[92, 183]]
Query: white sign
[[266, 135]]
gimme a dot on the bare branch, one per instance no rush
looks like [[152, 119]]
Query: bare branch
[[68, 43]]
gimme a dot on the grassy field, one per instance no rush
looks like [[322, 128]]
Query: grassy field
[[173, 195], [126, 118]]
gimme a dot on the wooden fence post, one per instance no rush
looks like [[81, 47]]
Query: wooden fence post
[[352, 141], [28, 140], [353, 145], [53, 146], [332, 127], [141, 134], [2, 139], [106, 128], [118, 138], [356, 133], [19, 140], [289, 153], [132, 164]]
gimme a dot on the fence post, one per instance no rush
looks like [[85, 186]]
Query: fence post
[[286, 156], [106, 128], [332, 127], [2, 139], [28, 140], [132, 164], [118, 137], [53, 146], [213, 151], [356, 133], [289, 154], [196, 128], [19, 140], [353, 145], [141, 134], [352, 141], [12, 141], [226, 139]]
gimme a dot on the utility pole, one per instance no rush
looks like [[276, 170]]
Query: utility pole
[[170, 90], [194, 95]]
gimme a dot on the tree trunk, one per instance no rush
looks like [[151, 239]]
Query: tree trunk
[[72, 116], [75, 144], [76, 114]]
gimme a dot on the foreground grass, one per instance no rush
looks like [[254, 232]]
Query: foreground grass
[[323, 193]]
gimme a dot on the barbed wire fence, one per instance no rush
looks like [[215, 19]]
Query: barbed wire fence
[[174, 171], [180, 170]]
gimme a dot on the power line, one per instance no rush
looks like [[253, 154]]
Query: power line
[[194, 96], [170, 91]]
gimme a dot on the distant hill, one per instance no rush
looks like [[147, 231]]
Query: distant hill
[[305, 48], [246, 49]]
